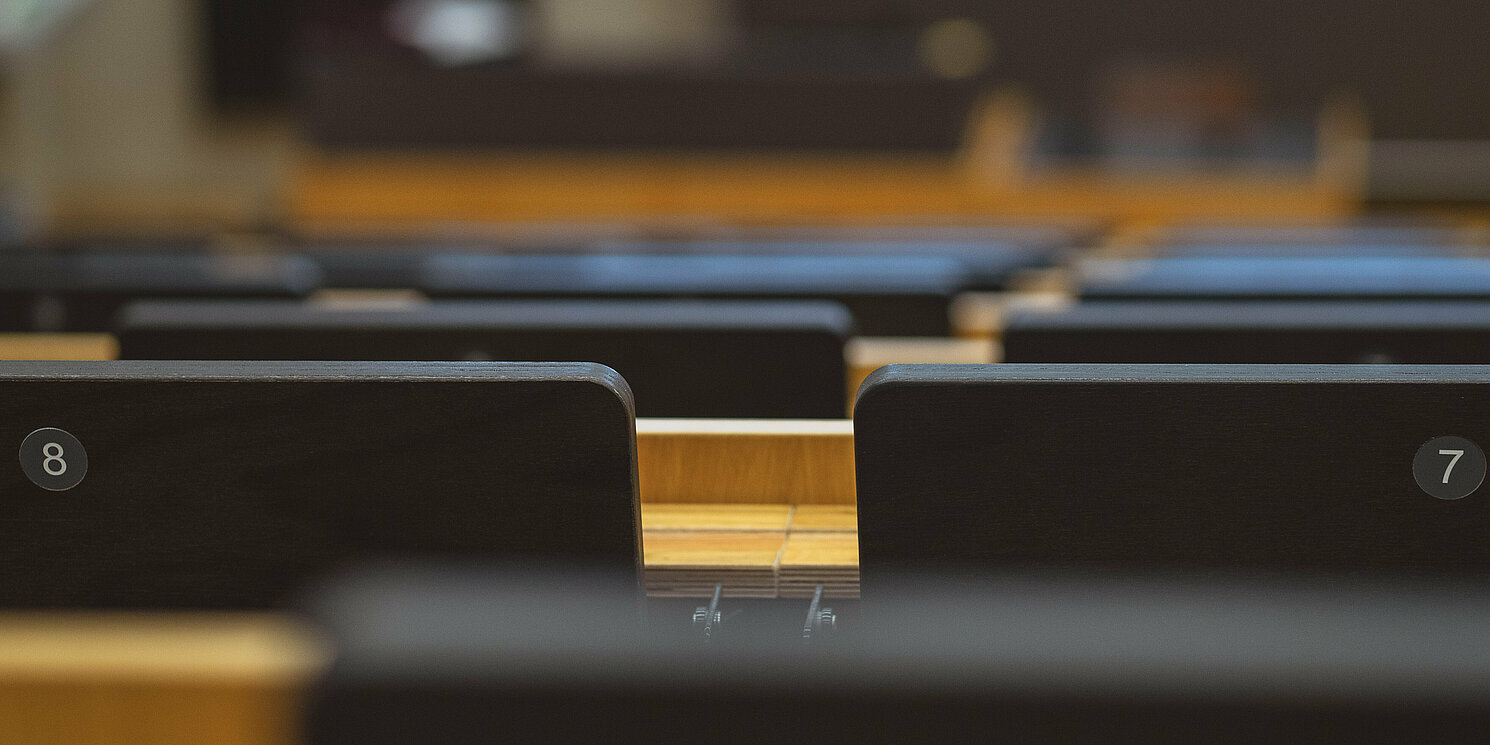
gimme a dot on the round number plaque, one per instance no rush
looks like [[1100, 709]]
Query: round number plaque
[[1449, 467], [53, 459]]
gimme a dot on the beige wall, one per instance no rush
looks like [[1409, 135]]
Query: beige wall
[[29, 154], [108, 129]]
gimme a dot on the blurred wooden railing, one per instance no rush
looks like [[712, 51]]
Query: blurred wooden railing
[[991, 175]]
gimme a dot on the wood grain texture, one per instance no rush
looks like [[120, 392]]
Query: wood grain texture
[[727, 517], [746, 461], [758, 551], [750, 550], [810, 559], [821, 550], [691, 563]]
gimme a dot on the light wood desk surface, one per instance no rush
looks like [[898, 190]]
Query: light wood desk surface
[[329, 193], [754, 550], [147, 679]]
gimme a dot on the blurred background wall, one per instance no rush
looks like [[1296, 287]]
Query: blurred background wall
[[181, 112], [109, 118]]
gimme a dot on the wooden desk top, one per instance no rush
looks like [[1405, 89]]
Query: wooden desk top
[[754, 550], [28, 346], [143, 679], [381, 191]]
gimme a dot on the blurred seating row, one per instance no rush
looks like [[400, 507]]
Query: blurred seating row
[[193, 477], [790, 325]]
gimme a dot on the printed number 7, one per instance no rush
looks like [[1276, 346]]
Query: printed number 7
[[1457, 455]]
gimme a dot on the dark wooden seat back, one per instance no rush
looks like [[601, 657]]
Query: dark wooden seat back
[[235, 485]]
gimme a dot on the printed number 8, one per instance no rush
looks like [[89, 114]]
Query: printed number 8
[[53, 458]]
